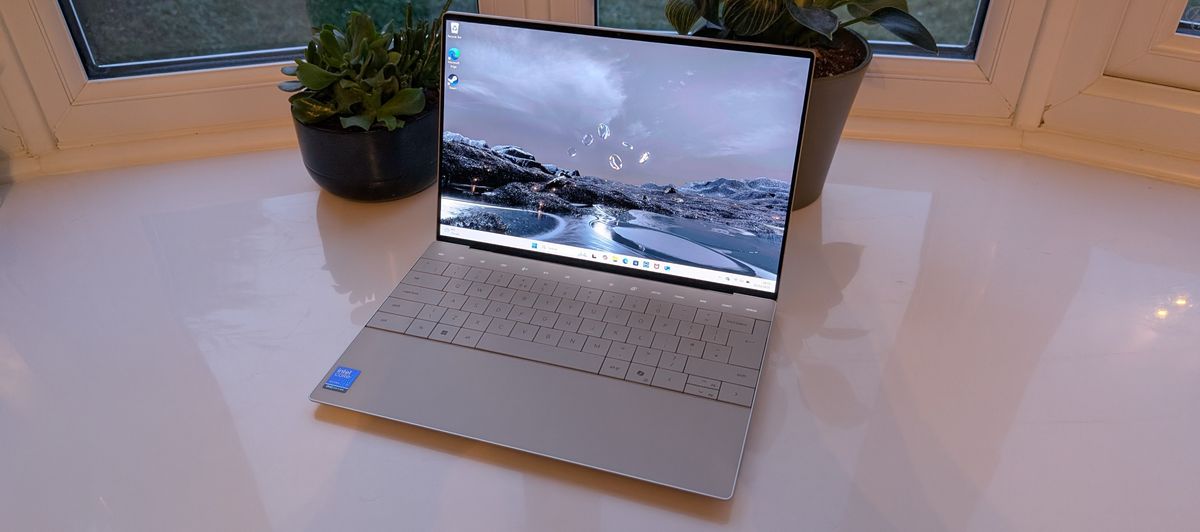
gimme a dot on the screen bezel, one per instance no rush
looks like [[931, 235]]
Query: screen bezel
[[660, 38]]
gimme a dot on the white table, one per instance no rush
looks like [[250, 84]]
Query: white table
[[967, 341]]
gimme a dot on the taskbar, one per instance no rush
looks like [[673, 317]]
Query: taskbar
[[612, 259]]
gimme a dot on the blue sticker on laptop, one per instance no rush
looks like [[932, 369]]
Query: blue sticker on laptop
[[341, 379]]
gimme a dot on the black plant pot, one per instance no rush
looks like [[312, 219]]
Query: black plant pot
[[375, 165], [828, 107]]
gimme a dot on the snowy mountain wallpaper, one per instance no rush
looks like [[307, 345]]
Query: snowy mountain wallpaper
[[673, 153]]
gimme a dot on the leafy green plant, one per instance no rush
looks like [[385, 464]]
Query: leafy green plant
[[366, 76], [805, 23]]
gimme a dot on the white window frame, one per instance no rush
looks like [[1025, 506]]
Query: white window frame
[[1150, 48]]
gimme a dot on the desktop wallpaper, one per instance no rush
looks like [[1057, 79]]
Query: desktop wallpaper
[[673, 153]]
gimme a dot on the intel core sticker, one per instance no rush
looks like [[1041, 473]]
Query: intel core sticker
[[341, 379]]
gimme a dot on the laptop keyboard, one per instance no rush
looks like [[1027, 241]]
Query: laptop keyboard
[[703, 352]]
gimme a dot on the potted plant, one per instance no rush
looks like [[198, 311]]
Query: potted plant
[[842, 56], [362, 106]]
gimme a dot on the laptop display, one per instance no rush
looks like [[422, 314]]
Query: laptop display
[[672, 160]]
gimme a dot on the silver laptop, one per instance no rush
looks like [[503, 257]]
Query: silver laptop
[[612, 214]]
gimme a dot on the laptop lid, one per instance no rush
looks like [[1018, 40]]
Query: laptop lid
[[645, 154]]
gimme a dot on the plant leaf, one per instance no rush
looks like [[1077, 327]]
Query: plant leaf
[[710, 10], [291, 85], [391, 122], [750, 17], [407, 102], [820, 20], [682, 14], [288, 70], [329, 49], [311, 111], [906, 27], [363, 121], [314, 77], [865, 8]]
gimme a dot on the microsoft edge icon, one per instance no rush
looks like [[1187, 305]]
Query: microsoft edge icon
[[453, 54]]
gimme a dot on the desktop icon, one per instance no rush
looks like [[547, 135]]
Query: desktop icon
[[645, 264], [624, 261], [656, 265], [667, 268], [453, 54], [635, 263], [535, 245], [452, 79], [453, 28]]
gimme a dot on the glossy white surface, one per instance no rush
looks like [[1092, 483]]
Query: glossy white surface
[[967, 340]]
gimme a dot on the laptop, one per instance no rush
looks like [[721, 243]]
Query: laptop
[[612, 212]]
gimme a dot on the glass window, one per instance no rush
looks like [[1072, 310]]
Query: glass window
[[129, 37], [955, 24], [1189, 24]]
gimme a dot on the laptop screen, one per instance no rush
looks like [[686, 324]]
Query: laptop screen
[[630, 152]]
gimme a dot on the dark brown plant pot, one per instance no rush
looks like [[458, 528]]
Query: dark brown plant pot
[[828, 107], [375, 165]]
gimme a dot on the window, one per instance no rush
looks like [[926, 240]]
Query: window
[[128, 37], [1189, 24], [956, 24]]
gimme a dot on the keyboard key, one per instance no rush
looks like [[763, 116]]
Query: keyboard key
[[593, 311], [548, 336], [715, 335], [666, 342], [572, 340], [541, 353], [591, 327], [544, 287], [614, 368], [671, 380], [467, 337], [544, 319], [458, 286], [521, 314], [478, 274], [391, 322], [478, 322], [746, 350], [501, 326], [738, 395], [621, 351], [708, 317], [566, 291], [425, 280], [502, 294], [420, 328], [640, 337], [476, 305], [547, 303], [637, 320], [455, 317], [672, 361], [417, 293], [617, 316], [691, 330], [524, 299], [521, 282], [568, 323], [454, 301], [497, 309], [737, 323], [500, 279], [665, 325], [716, 352], [640, 373], [612, 299], [706, 383], [647, 356], [524, 331], [401, 307], [658, 308], [457, 271], [722, 372], [616, 333], [443, 333], [481, 290], [432, 313], [588, 295], [700, 390], [692, 348], [596, 346], [430, 266], [683, 313], [570, 307], [635, 303]]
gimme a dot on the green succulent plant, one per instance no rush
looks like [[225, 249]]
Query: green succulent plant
[[367, 77], [807, 23]]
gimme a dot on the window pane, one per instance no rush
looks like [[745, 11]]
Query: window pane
[[952, 22], [1190, 22], [160, 35]]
